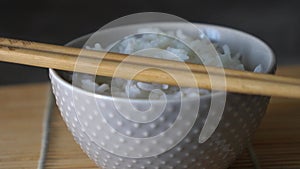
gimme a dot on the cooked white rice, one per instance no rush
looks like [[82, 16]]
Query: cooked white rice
[[154, 38]]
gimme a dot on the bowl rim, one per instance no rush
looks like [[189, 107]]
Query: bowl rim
[[269, 70]]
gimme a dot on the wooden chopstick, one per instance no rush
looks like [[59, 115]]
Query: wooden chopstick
[[65, 58], [142, 60]]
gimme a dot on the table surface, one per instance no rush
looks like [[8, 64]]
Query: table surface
[[276, 142]]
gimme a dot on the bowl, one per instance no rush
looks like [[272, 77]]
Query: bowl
[[112, 141]]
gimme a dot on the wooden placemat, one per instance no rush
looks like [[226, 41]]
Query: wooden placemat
[[276, 143], [21, 118]]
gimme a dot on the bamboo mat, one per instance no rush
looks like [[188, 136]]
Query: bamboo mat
[[276, 143], [21, 115]]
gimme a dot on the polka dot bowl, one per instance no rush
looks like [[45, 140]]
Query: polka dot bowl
[[115, 142]]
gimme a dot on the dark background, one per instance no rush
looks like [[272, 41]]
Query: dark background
[[59, 21]]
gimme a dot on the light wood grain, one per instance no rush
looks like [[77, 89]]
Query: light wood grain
[[63, 152], [146, 69], [21, 117], [137, 60]]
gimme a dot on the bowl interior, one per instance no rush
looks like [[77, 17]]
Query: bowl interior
[[253, 50]]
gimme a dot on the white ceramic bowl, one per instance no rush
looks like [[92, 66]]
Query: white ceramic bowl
[[84, 114]]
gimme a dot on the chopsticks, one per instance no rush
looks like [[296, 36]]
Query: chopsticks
[[66, 58]]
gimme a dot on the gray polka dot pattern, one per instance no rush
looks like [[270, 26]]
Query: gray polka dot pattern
[[241, 117]]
